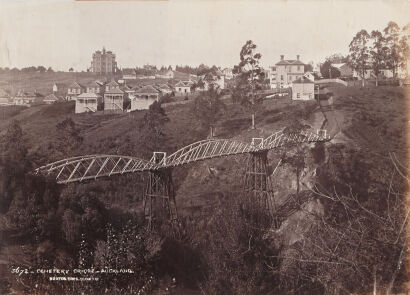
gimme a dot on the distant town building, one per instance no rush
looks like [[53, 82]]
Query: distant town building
[[52, 98], [164, 88], [74, 90], [303, 89], [27, 99], [103, 62], [183, 87], [87, 102], [4, 97], [94, 87], [286, 71], [112, 85]]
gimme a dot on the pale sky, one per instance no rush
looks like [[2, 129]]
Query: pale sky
[[64, 33]]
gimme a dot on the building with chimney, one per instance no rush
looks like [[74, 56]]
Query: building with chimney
[[286, 71], [103, 62]]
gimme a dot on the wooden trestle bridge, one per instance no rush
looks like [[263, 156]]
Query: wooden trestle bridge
[[159, 197]]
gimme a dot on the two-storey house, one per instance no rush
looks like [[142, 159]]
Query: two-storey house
[[286, 71]]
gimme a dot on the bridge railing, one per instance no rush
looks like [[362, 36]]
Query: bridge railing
[[96, 166]]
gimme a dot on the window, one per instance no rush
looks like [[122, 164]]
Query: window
[[281, 77], [298, 68], [298, 95]]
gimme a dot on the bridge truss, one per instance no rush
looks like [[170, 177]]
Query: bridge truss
[[159, 197]]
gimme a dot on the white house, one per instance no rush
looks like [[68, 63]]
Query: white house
[[25, 98], [303, 89], [183, 87], [86, 102], [144, 97], [286, 71]]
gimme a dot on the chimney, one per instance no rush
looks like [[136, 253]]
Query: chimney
[[297, 57], [282, 57]]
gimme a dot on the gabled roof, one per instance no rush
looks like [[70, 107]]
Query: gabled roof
[[303, 80], [164, 86], [88, 95], [27, 94], [114, 91], [290, 62], [147, 89], [52, 97], [184, 84], [338, 66], [76, 85], [113, 83], [60, 85]]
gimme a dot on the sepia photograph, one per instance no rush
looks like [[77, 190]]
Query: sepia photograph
[[204, 147]]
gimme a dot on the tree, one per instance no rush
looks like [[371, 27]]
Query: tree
[[152, 136], [404, 52], [309, 67], [391, 36], [41, 69], [250, 79], [378, 53], [208, 106], [50, 70], [14, 165], [329, 72], [359, 53], [68, 137], [337, 58]]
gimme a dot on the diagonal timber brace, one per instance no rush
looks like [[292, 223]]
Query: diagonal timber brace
[[258, 193], [159, 199]]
